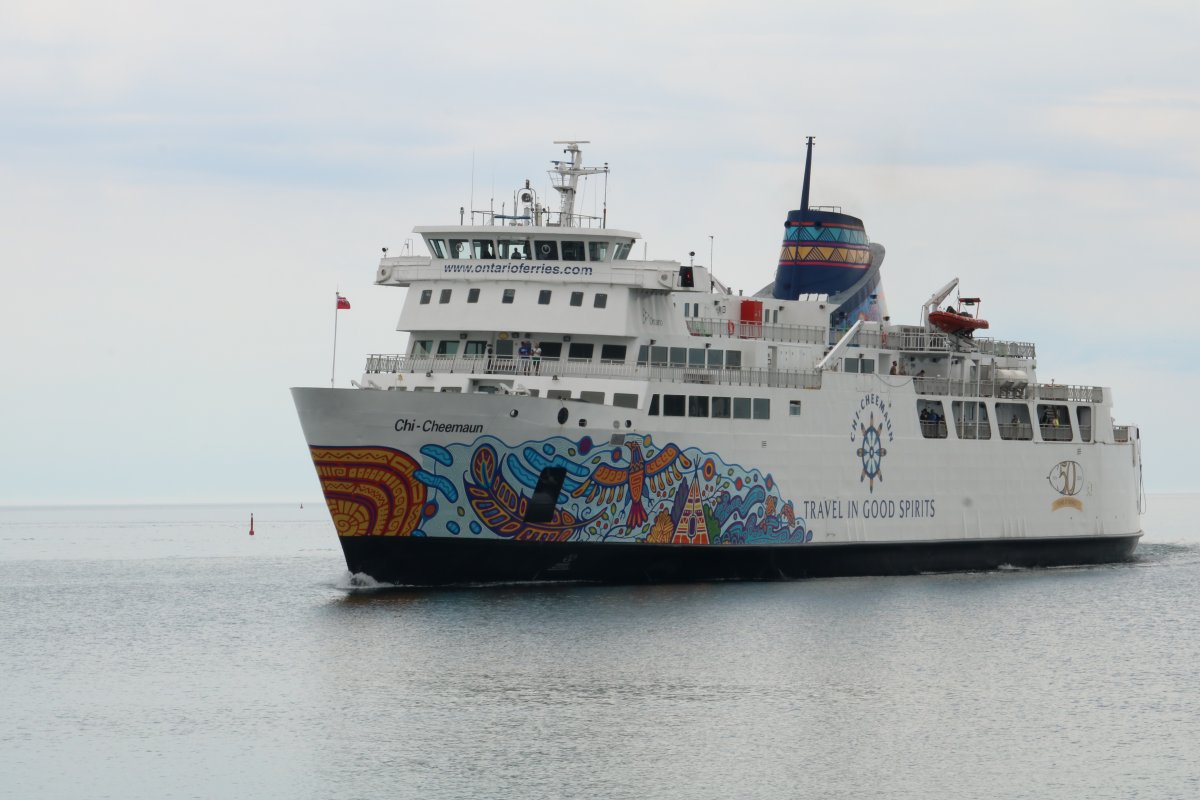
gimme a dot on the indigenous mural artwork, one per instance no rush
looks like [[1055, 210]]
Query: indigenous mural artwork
[[634, 491]]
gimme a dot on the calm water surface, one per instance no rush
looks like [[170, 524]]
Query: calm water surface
[[161, 652]]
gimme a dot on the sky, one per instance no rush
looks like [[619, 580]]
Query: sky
[[184, 186]]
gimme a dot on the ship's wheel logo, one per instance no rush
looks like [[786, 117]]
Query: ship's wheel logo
[[872, 452]]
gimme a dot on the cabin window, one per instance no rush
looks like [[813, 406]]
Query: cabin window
[[592, 397], [472, 295], [678, 356], [459, 248], [932, 418], [514, 248], [422, 347], [1055, 423], [673, 405], [643, 355], [793, 408], [696, 357], [576, 298], [437, 247], [504, 348], [762, 408], [483, 248], [1085, 422], [551, 350], [508, 296], [622, 251], [445, 296], [697, 406], [623, 400], [716, 359], [451, 389], [720, 407], [741, 408], [601, 301], [1013, 421], [653, 410], [546, 249], [559, 394], [476, 348], [733, 359], [610, 353], [581, 351], [971, 420], [598, 251], [658, 356], [544, 297], [447, 347], [426, 296], [572, 251]]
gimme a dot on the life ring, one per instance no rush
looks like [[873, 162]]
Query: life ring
[[729, 327]]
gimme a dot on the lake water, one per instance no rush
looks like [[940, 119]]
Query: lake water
[[162, 652]]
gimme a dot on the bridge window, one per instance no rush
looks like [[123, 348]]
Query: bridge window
[[720, 407], [508, 296], [445, 296], [1055, 423], [514, 248], [447, 347], [932, 417], [678, 356], [598, 251], [472, 295], [601, 300], [572, 251], [484, 248], [437, 247], [426, 296], [459, 248], [544, 297], [697, 406], [546, 249], [622, 252], [612, 353], [673, 405], [576, 298], [422, 347], [658, 356]]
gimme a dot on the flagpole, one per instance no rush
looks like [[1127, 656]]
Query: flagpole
[[336, 309]]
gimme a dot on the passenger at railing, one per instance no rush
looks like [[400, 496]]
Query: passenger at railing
[[523, 353], [537, 358], [489, 353], [895, 369]]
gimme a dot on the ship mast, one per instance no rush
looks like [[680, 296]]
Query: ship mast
[[807, 172], [565, 178]]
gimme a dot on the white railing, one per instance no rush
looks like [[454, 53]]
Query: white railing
[[580, 368], [918, 340], [992, 388]]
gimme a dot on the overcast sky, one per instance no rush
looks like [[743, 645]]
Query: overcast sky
[[184, 186]]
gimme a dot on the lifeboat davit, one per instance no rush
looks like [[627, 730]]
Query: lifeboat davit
[[957, 324]]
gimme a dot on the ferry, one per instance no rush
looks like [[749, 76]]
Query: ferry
[[566, 412]]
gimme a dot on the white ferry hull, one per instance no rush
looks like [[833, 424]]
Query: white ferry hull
[[435, 488]]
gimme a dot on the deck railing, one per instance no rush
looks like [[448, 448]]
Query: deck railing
[[1002, 389]]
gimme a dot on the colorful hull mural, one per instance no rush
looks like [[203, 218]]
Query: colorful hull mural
[[629, 492]]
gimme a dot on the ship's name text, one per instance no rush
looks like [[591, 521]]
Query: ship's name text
[[915, 508], [434, 426]]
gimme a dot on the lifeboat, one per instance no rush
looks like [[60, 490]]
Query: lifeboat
[[955, 323]]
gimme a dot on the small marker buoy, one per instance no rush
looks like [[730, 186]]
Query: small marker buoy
[[251, 524]]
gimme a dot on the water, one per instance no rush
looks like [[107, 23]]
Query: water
[[162, 652]]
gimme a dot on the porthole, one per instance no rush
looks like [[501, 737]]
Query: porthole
[[512, 413], [562, 416]]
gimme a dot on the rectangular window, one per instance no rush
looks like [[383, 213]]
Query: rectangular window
[[437, 247], [483, 248], [1055, 423], [762, 408], [472, 295], [623, 400], [612, 352], [658, 356], [849, 365], [716, 359], [643, 355], [697, 406], [426, 296], [867, 366], [572, 251], [581, 350], [720, 407], [1085, 422], [445, 296], [678, 356], [508, 295], [793, 408], [653, 411], [422, 347], [971, 420], [504, 348], [932, 417], [559, 394], [551, 350], [673, 405], [623, 251], [447, 347], [696, 357], [460, 248], [514, 248], [733, 359], [546, 249], [592, 397], [741, 408], [576, 298], [598, 251], [1012, 419], [475, 348], [601, 300], [544, 297]]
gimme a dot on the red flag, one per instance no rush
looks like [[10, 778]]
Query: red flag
[[342, 303]]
